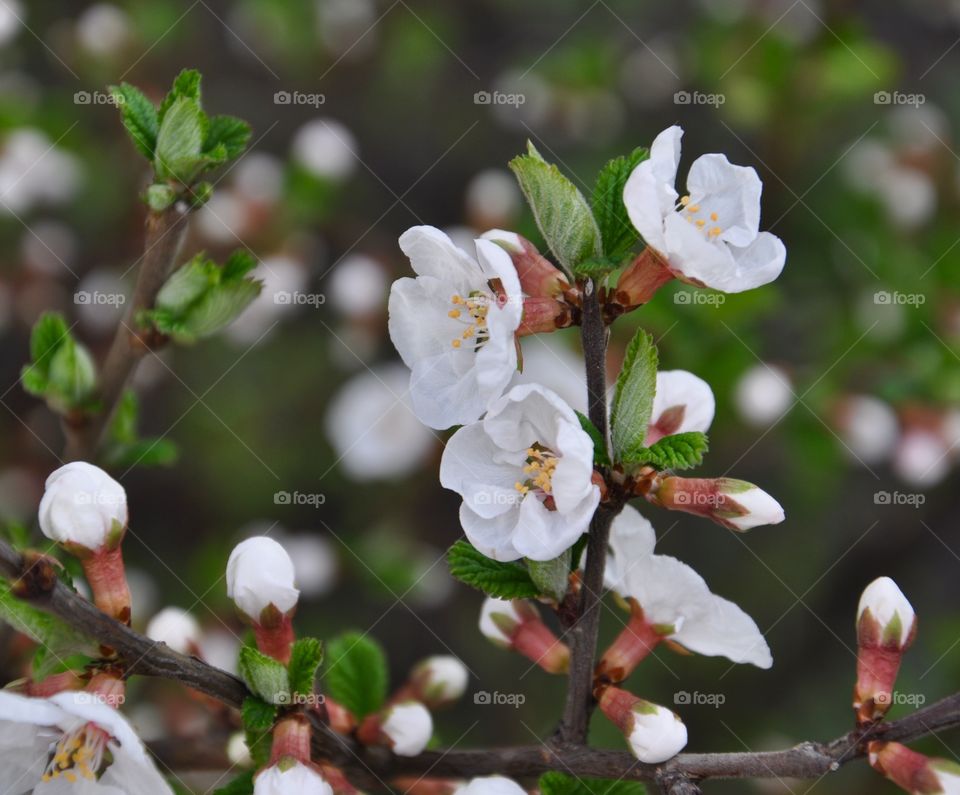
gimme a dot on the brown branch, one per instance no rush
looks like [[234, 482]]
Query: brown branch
[[164, 238], [34, 579]]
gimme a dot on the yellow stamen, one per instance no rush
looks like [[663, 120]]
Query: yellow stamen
[[455, 343], [713, 216], [454, 313]]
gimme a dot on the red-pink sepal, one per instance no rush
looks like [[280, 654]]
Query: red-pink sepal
[[291, 739], [907, 769], [641, 279], [274, 634], [878, 664], [107, 577], [630, 648]]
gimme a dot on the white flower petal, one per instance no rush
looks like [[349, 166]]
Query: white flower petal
[[631, 538], [761, 509], [658, 734], [887, 602], [298, 778], [490, 785], [731, 192], [409, 727], [260, 573], [80, 504], [649, 193], [678, 388]]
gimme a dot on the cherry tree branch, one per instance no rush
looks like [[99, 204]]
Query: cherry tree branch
[[164, 238], [34, 579]]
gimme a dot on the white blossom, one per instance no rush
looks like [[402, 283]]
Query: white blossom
[[454, 325], [490, 785], [290, 776], [83, 505], [103, 29], [325, 148], [409, 727], [57, 745], [357, 285], [763, 394], [888, 607], [656, 733], [671, 594], [869, 428], [525, 474], [175, 627], [33, 170], [495, 615], [259, 574], [11, 20], [921, 458], [682, 403], [709, 237], [443, 677]]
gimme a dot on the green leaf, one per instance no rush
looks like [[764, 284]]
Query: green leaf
[[264, 676], [73, 375], [680, 451], [238, 265], [185, 85], [600, 455], [557, 783], [616, 230], [187, 284], [180, 140], [123, 428], [48, 334], [219, 307], [305, 659], [60, 640], [503, 580], [551, 576], [159, 197], [139, 116], [228, 132], [633, 396], [562, 214], [576, 551], [257, 714], [356, 674], [241, 785]]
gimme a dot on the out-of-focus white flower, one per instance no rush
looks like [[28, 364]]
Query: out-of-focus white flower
[[868, 427], [654, 733], [347, 28], [921, 458], [672, 601], [908, 195], [357, 285], [175, 627], [34, 171], [103, 29], [649, 74], [682, 403], [763, 394], [101, 299], [326, 149], [82, 505], [260, 574], [315, 563], [11, 20], [490, 785], [220, 649], [49, 247], [371, 425], [709, 237], [918, 130], [223, 219], [525, 474], [288, 776], [237, 750], [454, 325], [439, 680], [282, 277], [550, 363], [408, 727], [493, 198], [72, 742], [258, 177]]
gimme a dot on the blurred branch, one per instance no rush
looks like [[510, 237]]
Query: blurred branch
[[33, 578], [165, 234]]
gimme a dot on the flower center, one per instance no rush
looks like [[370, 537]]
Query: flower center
[[540, 466], [472, 312], [691, 213], [79, 753]]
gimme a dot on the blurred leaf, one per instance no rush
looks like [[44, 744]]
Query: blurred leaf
[[356, 674], [60, 640], [680, 451], [633, 396], [219, 307], [180, 141], [139, 116], [503, 580], [557, 783], [228, 132], [264, 676], [616, 230], [551, 576], [561, 212], [72, 375], [241, 785], [257, 714], [305, 659]]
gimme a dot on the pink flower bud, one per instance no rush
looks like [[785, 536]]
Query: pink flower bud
[[641, 280], [914, 772], [654, 733], [886, 626], [516, 625], [735, 504]]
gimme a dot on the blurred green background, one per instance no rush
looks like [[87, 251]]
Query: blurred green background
[[837, 387]]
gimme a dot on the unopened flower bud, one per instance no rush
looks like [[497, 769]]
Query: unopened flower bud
[[260, 580], [437, 681], [491, 785], [914, 772], [177, 628], [641, 280], [406, 727], [289, 775], [886, 626], [654, 733], [516, 625], [734, 504], [85, 510], [632, 645], [238, 752]]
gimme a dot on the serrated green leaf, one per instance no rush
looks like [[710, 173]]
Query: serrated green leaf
[[219, 307], [560, 210], [600, 456], [557, 783], [231, 133], [139, 116], [48, 334], [617, 233], [633, 396], [356, 675], [185, 85], [238, 265], [257, 714], [241, 785], [305, 659], [551, 576], [60, 639], [265, 677], [187, 284], [679, 451], [503, 580], [180, 141], [73, 375]]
